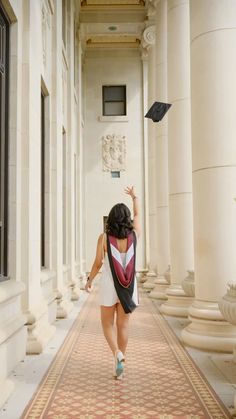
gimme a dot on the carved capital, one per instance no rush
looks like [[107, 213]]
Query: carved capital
[[151, 8], [149, 36]]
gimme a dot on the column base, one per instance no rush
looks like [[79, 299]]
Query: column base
[[145, 275], [161, 285], [39, 329], [178, 302], [160, 280], [6, 388], [64, 305], [208, 330], [159, 292], [47, 278], [12, 333], [75, 291], [149, 284]]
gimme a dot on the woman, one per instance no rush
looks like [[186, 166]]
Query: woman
[[118, 287]]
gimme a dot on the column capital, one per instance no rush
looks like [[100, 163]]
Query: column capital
[[149, 36], [151, 8]]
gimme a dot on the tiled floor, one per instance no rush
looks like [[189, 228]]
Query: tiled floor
[[160, 382], [219, 368], [28, 373]]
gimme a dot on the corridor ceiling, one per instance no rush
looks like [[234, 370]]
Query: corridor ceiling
[[112, 23]]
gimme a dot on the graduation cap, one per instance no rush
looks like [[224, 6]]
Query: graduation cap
[[157, 111]]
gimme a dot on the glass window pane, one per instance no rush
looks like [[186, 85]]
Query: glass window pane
[[116, 93], [115, 174], [114, 108]]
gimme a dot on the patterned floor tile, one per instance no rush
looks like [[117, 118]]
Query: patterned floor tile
[[161, 380]]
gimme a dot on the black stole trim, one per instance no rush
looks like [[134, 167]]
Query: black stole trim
[[124, 294]]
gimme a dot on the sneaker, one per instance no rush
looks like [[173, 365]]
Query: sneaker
[[119, 367]]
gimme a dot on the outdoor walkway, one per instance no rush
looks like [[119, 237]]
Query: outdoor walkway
[[161, 381]]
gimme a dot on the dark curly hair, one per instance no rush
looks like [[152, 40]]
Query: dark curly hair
[[119, 222]]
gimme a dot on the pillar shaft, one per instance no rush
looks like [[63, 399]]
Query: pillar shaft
[[179, 152], [213, 67], [62, 289], [148, 42], [162, 186], [145, 157], [161, 158], [34, 304], [151, 160]]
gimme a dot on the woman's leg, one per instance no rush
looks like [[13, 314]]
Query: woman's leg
[[122, 323], [107, 318]]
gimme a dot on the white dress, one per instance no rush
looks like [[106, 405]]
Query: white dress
[[107, 291]]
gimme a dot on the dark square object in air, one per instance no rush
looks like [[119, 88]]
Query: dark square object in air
[[157, 111]]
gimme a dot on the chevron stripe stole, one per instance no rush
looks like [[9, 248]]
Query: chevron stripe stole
[[124, 274]]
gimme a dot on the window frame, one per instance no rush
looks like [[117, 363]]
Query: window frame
[[104, 87]]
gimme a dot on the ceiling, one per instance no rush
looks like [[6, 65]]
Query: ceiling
[[112, 23]]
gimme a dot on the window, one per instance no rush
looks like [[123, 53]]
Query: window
[[42, 180], [115, 174], [114, 100], [4, 74]]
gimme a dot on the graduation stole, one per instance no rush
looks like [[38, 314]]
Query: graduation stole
[[123, 277]]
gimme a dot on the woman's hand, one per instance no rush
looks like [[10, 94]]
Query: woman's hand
[[130, 191], [88, 285]]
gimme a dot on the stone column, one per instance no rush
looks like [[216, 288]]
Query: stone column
[[35, 306], [148, 43], [161, 161], [81, 166], [71, 104], [179, 151], [144, 58], [213, 88], [63, 293], [12, 321]]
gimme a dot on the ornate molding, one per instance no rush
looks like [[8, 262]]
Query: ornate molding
[[151, 8], [149, 36], [113, 153]]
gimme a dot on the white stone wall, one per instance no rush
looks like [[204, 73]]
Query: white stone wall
[[34, 296], [101, 190]]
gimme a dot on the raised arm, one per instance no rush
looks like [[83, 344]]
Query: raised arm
[[130, 191]]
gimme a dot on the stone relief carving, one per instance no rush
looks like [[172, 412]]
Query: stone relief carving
[[113, 153]]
